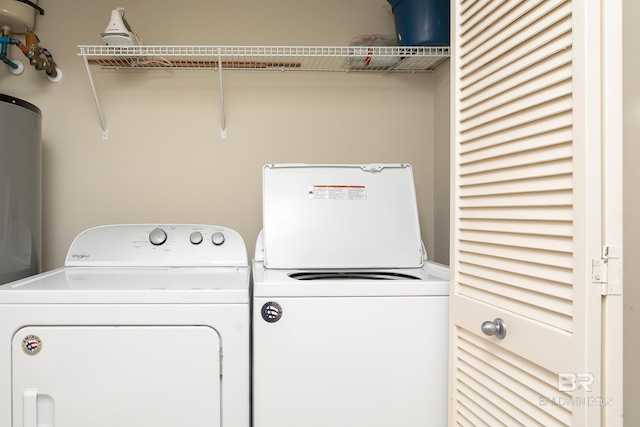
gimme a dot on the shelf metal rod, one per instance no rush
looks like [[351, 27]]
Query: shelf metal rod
[[105, 132], [223, 132]]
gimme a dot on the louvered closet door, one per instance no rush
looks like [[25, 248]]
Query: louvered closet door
[[526, 213]]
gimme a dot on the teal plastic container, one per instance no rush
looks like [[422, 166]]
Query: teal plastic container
[[422, 22]]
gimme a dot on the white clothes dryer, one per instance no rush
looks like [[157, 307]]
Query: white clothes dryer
[[146, 325], [350, 320]]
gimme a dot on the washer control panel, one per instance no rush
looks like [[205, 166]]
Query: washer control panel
[[172, 245]]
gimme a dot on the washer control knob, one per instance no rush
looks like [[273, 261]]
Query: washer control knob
[[196, 237], [157, 236], [217, 238]]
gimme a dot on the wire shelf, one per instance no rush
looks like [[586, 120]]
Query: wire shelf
[[282, 58], [407, 59]]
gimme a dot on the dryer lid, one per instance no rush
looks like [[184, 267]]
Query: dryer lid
[[340, 216]]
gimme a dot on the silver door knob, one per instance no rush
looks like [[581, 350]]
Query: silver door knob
[[497, 328]]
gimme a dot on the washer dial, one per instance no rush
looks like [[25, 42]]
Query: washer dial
[[196, 237], [217, 238], [157, 236]]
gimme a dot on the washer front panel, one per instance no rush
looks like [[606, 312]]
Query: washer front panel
[[354, 361]]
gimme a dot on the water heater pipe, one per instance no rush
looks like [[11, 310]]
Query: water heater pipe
[[34, 53]]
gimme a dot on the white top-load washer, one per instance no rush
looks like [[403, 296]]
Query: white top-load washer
[[146, 325], [350, 319]]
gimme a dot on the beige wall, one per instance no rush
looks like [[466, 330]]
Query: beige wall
[[164, 160], [631, 222], [442, 160]]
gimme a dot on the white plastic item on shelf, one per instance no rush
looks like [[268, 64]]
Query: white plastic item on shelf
[[366, 56]]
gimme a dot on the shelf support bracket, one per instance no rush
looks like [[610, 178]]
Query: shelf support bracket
[[105, 132], [223, 131]]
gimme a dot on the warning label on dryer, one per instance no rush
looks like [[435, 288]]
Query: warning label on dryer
[[337, 192]]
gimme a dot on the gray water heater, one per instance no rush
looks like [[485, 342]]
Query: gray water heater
[[20, 188]]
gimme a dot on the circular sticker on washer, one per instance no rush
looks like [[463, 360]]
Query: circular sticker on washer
[[271, 311], [31, 345]]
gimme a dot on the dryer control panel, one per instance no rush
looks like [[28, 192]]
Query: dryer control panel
[[152, 245]]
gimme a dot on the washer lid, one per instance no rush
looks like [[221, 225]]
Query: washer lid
[[340, 216]]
